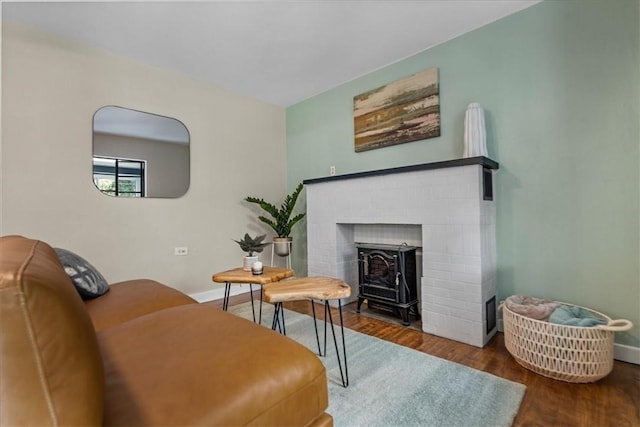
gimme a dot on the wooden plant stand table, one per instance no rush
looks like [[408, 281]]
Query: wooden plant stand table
[[238, 275], [319, 288]]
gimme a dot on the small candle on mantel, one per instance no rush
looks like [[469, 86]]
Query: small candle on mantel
[[256, 268]]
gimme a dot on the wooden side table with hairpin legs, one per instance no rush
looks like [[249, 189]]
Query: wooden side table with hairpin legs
[[238, 275], [319, 288]]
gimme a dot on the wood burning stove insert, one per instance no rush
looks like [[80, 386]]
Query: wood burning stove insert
[[387, 279]]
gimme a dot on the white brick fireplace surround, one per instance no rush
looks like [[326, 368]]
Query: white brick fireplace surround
[[451, 202]]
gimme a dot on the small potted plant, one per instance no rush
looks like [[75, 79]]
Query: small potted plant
[[251, 245], [281, 219]]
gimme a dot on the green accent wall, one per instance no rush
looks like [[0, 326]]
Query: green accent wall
[[559, 83]]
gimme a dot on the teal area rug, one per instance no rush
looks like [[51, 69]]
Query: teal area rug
[[391, 385]]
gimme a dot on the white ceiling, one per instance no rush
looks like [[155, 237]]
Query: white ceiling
[[281, 52]]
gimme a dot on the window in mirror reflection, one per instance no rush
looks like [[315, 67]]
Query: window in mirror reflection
[[119, 177], [152, 150]]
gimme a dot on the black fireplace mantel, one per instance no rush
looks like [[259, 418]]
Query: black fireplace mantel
[[483, 161]]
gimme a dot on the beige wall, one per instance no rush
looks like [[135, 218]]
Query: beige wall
[[51, 89]]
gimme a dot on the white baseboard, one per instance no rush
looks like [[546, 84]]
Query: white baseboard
[[621, 352], [219, 293], [626, 353]]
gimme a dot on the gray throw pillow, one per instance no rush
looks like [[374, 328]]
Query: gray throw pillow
[[88, 281]]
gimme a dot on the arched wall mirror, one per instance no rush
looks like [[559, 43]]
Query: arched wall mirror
[[137, 154]]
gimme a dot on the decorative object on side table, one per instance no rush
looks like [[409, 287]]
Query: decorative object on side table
[[256, 268], [282, 219], [475, 134], [250, 245]]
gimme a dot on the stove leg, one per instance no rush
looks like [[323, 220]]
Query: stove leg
[[404, 313], [360, 301]]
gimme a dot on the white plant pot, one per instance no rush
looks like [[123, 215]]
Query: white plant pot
[[248, 261], [282, 245]]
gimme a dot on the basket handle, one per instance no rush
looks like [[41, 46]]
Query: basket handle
[[618, 325]]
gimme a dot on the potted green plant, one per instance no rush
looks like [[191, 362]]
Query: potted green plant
[[251, 245], [281, 219]]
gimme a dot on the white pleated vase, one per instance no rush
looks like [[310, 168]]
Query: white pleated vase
[[475, 134]]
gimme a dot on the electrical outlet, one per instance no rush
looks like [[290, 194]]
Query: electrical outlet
[[332, 170], [181, 251]]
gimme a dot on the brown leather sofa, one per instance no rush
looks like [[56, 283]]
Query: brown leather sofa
[[142, 354]]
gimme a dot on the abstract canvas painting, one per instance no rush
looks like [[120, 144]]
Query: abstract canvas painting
[[403, 111]]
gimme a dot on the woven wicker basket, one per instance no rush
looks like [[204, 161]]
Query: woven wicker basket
[[569, 353]]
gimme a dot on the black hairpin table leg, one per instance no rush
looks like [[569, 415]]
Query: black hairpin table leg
[[278, 318], [343, 376], [253, 310], [315, 326], [261, 295], [227, 291]]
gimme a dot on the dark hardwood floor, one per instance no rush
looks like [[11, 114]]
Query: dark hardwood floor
[[613, 401]]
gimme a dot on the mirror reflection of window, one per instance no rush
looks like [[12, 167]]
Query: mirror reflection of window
[[137, 154], [119, 177]]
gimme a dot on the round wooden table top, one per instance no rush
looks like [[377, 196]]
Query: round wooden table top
[[325, 288]]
